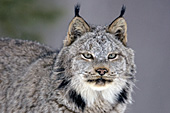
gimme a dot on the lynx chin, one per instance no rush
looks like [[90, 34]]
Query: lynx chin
[[94, 72]]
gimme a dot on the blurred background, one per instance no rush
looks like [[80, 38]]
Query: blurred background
[[148, 34]]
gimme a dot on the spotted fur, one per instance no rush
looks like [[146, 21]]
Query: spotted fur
[[35, 78]]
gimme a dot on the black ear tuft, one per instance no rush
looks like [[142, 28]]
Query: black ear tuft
[[77, 27], [77, 9], [122, 11]]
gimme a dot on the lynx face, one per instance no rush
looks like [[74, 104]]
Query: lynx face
[[99, 60], [97, 63]]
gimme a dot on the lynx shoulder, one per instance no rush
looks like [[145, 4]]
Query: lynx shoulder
[[94, 72]]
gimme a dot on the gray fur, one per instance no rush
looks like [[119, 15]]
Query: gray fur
[[35, 78]]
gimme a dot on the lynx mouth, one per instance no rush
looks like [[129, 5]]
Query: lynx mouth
[[100, 81]]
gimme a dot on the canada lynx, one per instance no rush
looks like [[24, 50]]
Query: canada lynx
[[94, 72]]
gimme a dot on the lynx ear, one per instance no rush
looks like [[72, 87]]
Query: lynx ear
[[77, 27], [119, 27]]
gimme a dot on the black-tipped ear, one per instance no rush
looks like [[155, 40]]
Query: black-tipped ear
[[122, 11], [77, 27], [77, 10], [119, 27]]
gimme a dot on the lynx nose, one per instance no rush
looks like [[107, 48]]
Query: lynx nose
[[101, 71]]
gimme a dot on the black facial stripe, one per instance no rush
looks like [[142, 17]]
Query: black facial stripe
[[63, 84], [130, 77], [122, 97], [77, 99], [59, 69], [60, 76]]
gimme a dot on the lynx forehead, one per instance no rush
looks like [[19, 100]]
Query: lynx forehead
[[102, 41]]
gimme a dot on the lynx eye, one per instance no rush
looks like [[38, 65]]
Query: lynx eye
[[87, 56], [112, 56]]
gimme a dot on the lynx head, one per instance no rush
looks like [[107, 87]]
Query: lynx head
[[96, 59]]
